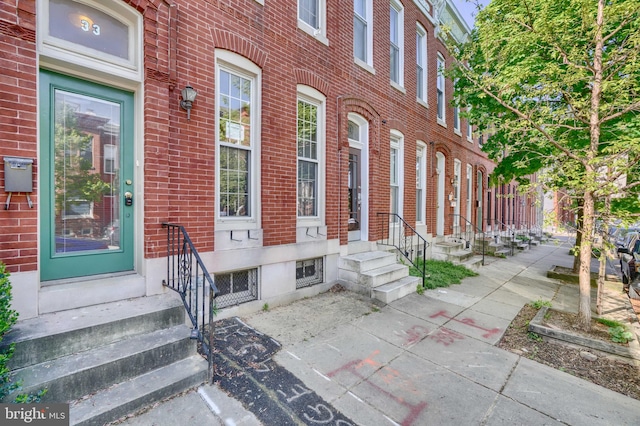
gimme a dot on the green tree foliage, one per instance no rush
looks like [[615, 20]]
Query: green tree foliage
[[557, 85]]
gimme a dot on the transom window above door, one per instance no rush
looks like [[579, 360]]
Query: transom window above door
[[95, 34]]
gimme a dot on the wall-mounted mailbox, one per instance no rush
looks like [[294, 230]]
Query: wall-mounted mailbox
[[18, 177], [18, 174]]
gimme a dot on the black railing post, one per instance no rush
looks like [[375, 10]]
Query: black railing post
[[387, 219], [185, 269]]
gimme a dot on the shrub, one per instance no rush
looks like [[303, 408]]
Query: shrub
[[8, 318]]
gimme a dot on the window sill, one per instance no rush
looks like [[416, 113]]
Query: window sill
[[441, 122], [422, 102], [398, 87], [315, 33], [364, 65]]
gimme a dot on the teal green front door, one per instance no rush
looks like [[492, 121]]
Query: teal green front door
[[86, 178]]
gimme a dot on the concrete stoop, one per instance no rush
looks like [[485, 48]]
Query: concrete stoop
[[452, 251], [108, 360], [376, 274]]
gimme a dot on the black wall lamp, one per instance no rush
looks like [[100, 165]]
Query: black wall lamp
[[188, 96]]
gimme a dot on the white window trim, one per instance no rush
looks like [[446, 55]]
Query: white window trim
[[422, 97], [313, 96], [457, 121], [400, 24], [319, 33], [363, 146], [422, 203], [239, 65], [53, 50], [469, 212], [441, 83], [469, 131], [457, 176], [368, 63], [397, 142]]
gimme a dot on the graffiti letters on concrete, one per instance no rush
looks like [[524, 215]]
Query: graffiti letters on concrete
[[245, 369]]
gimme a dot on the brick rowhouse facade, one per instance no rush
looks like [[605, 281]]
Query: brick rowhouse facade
[[176, 161]]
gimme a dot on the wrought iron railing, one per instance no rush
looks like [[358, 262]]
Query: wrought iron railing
[[502, 233], [396, 232], [470, 235], [187, 275]]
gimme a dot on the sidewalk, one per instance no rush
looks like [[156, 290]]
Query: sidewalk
[[423, 359]]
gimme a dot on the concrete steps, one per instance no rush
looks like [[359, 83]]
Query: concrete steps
[[376, 274], [108, 360]]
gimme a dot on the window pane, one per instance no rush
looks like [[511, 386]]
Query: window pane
[[81, 24], [235, 109], [308, 12], [393, 28], [395, 63], [307, 130], [354, 131], [234, 182], [86, 142], [307, 186], [359, 39]]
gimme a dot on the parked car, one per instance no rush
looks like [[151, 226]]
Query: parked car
[[629, 255]]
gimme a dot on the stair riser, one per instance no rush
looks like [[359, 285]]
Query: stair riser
[[378, 280], [446, 249], [37, 350], [139, 403], [455, 257], [397, 293], [80, 383]]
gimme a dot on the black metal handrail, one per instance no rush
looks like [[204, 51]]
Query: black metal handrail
[[401, 235], [469, 236], [187, 275], [505, 230]]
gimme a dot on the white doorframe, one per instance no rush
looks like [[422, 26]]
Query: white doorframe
[[440, 170]]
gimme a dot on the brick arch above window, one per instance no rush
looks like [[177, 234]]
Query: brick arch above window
[[442, 148], [311, 79], [348, 104], [240, 45]]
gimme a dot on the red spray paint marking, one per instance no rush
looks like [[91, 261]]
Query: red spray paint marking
[[467, 321], [390, 375]]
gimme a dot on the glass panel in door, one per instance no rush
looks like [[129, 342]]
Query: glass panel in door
[[86, 169]]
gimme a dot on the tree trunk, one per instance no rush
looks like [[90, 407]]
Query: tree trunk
[[584, 274], [576, 247], [591, 176]]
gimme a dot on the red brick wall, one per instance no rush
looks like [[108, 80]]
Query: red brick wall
[[180, 39], [18, 121]]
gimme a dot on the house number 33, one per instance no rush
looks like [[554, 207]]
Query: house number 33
[[87, 26]]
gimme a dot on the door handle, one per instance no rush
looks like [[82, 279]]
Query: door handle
[[128, 198]]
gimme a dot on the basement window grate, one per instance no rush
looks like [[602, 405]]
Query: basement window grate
[[237, 287], [309, 272]]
